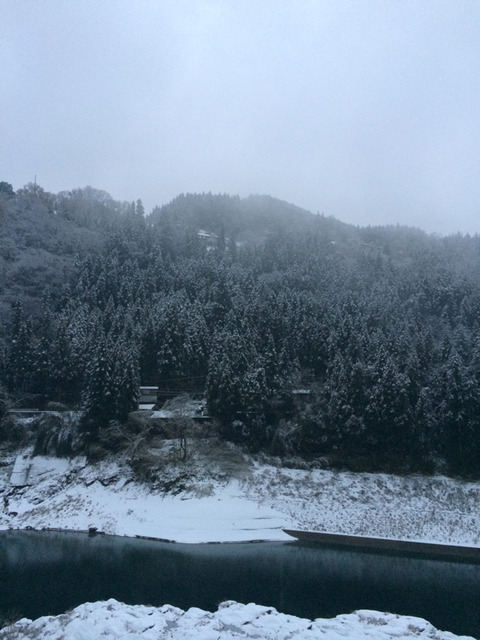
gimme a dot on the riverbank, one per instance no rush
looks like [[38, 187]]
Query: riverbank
[[254, 501], [201, 502]]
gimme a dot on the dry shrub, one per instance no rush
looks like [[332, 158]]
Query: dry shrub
[[57, 435], [14, 431]]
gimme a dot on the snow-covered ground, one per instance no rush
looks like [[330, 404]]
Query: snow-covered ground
[[115, 621], [255, 502]]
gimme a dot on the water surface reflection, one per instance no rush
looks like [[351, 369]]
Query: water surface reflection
[[48, 573]]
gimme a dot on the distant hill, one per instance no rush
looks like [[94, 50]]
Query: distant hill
[[42, 235], [38, 247], [249, 219]]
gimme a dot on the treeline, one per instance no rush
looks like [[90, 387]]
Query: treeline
[[361, 345]]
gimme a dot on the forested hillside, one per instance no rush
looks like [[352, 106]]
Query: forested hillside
[[307, 336]]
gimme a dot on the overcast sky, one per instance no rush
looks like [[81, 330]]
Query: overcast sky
[[367, 110]]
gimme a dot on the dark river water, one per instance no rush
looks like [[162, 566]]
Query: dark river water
[[47, 573]]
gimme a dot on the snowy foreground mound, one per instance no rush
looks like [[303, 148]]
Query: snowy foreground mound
[[113, 620]]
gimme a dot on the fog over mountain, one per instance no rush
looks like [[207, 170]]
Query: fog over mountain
[[367, 111]]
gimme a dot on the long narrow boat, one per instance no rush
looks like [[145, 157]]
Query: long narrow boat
[[428, 550]]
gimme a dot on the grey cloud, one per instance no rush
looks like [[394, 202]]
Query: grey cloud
[[367, 111]]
